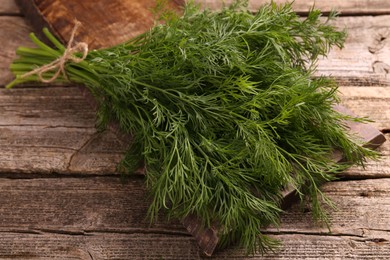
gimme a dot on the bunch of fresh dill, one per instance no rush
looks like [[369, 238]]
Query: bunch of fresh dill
[[224, 110]]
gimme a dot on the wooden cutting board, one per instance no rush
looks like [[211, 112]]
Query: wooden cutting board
[[109, 22], [104, 22]]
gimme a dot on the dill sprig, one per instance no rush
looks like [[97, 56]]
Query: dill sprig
[[224, 111]]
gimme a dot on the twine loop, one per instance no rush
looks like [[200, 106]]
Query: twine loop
[[59, 64]]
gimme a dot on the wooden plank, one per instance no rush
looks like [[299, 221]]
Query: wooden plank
[[97, 246], [155, 246], [9, 7], [362, 208], [53, 130], [366, 53], [370, 102], [350, 7], [359, 226], [301, 246], [373, 168], [368, 135], [77, 205], [46, 106], [34, 122], [13, 33], [48, 217], [127, 18]]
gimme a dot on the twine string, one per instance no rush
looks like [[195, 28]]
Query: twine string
[[59, 64]]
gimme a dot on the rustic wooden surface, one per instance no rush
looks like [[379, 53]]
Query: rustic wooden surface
[[9, 8], [60, 197], [127, 18]]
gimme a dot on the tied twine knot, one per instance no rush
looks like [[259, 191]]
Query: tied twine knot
[[59, 64]]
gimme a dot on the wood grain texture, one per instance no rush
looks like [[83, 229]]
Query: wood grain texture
[[53, 130], [126, 19], [48, 217], [370, 102], [302, 246], [361, 210], [96, 246], [13, 33], [136, 246], [34, 122], [349, 7], [366, 54], [374, 168], [77, 205], [9, 8], [368, 135]]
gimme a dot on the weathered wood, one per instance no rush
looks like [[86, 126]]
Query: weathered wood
[[373, 169], [207, 238], [368, 135], [366, 52], [96, 246], [77, 205], [370, 102], [361, 210], [34, 122], [301, 246], [164, 246], [9, 7], [13, 33], [369, 7], [55, 216], [350, 7], [53, 130], [126, 19], [362, 7]]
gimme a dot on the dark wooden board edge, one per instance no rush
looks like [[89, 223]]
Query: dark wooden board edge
[[37, 20], [206, 238]]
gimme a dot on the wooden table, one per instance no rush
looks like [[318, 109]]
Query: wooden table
[[60, 196]]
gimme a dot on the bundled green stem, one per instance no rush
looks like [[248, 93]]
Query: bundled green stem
[[224, 110]]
